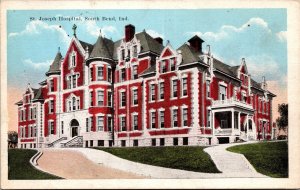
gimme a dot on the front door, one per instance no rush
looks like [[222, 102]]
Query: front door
[[74, 131]]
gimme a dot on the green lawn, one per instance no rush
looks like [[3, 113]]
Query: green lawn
[[20, 168], [185, 158], [268, 158]]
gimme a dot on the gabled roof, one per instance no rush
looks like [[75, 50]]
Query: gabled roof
[[103, 48], [19, 102], [189, 55], [148, 43], [85, 45], [55, 66], [224, 68]]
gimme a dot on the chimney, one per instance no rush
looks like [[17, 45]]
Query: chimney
[[129, 32], [159, 40], [196, 43]]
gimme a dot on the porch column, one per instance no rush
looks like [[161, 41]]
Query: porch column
[[239, 121], [213, 122], [232, 121], [247, 122]]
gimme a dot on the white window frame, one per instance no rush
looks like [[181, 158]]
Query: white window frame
[[109, 74], [50, 106], [73, 54], [100, 127], [161, 92], [183, 115], [152, 92], [121, 100], [132, 121], [69, 102], [172, 88], [50, 127], [159, 118], [174, 110], [220, 95], [121, 121], [172, 62], [99, 99], [182, 85], [99, 68], [133, 90], [134, 69]]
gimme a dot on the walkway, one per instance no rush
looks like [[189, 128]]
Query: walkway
[[231, 165], [71, 164]]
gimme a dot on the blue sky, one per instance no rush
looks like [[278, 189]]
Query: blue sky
[[259, 35]]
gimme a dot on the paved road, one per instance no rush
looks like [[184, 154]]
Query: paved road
[[231, 165]]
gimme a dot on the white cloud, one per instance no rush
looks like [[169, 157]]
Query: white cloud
[[281, 36], [226, 30], [94, 30], [37, 65], [154, 34], [38, 27]]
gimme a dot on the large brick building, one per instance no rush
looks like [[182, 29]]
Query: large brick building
[[138, 92]]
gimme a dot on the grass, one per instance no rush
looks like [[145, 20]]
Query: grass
[[184, 158], [268, 158], [20, 168]]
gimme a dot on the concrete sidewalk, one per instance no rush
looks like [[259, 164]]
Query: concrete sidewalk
[[230, 164]]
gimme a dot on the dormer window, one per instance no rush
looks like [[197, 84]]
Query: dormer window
[[163, 68]]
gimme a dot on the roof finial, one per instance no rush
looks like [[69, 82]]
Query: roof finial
[[58, 49], [74, 30], [100, 34], [208, 49], [243, 61], [168, 42]]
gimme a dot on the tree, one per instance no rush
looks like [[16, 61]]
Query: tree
[[12, 139], [282, 120]]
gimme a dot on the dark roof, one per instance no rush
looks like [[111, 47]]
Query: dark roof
[[85, 45], [151, 69], [55, 66], [224, 68], [189, 54], [148, 43], [38, 94], [103, 48], [19, 102], [255, 84], [43, 82], [196, 37]]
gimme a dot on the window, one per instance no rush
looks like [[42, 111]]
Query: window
[[175, 117], [134, 72], [74, 103], [185, 117], [51, 106], [123, 75], [128, 52], [163, 68], [152, 92], [74, 78], [244, 98], [72, 81], [100, 73], [29, 130], [152, 121], [207, 89], [224, 124], [100, 142], [100, 123], [69, 106], [135, 142], [162, 119], [135, 122], [91, 123], [153, 142], [175, 141], [161, 90], [162, 142], [123, 123], [51, 86], [135, 97], [34, 112], [134, 51], [123, 99], [34, 131], [87, 124], [109, 74], [208, 118], [100, 97], [51, 126], [123, 143], [185, 141], [110, 143], [91, 143], [174, 87], [109, 98], [62, 127], [172, 64], [91, 98], [30, 113], [109, 123], [223, 94], [91, 73], [73, 60], [122, 54], [184, 87]]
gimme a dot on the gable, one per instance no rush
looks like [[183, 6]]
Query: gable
[[167, 52]]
